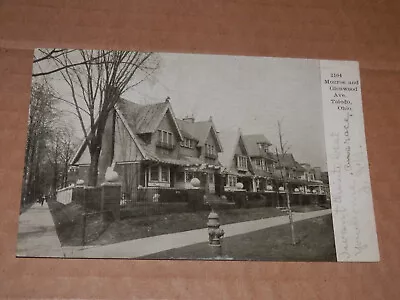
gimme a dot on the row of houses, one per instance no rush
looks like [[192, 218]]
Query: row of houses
[[153, 148]]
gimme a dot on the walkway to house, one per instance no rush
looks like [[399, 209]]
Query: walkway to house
[[146, 246], [37, 234]]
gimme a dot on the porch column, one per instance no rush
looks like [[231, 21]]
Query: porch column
[[254, 185], [146, 176]]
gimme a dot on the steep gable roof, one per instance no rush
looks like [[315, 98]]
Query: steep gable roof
[[146, 118], [252, 140], [299, 167], [199, 131], [288, 161], [186, 129], [229, 140], [80, 150]]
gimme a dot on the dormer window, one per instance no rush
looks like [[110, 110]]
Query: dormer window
[[165, 139], [188, 143], [241, 162], [259, 163], [263, 147], [210, 151]]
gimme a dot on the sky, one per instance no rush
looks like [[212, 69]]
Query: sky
[[250, 93]]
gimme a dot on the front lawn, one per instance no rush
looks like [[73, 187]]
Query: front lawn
[[141, 227], [68, 220], [306, 208], [315, 242]]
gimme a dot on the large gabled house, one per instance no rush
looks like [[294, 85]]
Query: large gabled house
[[309, 172], [152, 148], [287, 166], [313, 178], [201, 144], [262, 159], [236, 162], [301, 176]]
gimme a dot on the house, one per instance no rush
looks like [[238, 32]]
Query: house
[[152, 148], [309, 173], [262, 159], [201, 146], [236, 161], [287, 166]]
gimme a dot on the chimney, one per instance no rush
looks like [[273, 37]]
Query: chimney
[[189, 119], [168, 98]]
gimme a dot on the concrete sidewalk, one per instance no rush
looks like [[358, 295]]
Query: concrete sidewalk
[[151, 245], [37, 236]]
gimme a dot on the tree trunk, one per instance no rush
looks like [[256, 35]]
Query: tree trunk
[[95, 149], [290, 214], [94, 166], [29, 168], [65, 174]]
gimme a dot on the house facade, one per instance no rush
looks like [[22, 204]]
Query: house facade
[[262, 160], [152, 148], [309, 173], [200, 146], [236, 162], [287, 166]]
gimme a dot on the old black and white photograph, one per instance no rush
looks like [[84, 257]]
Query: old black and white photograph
[[150, 155]]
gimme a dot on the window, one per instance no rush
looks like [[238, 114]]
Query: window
[[188, 143], [159, 173], [232, 180], [154, 173], [260, 163], [263, 147], [165, 137], [210, 151], [170, 138], [164, 174], [242, 162]]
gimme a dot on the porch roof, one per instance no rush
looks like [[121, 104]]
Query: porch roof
[[236, 173], [185, 161]]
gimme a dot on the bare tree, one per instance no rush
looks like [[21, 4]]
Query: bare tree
[[44, 61], [59, 152], [96, 84], [284, 171], [42, 114]]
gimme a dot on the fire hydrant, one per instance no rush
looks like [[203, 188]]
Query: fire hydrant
[[215, 233]]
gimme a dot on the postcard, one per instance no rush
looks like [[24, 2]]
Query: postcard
[[144, 155]]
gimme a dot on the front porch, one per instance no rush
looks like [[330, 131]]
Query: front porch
[[166, 175]]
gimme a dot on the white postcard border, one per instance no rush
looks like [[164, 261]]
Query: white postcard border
[[349, 178]]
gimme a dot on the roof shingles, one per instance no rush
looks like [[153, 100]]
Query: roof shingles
[[142, 118], [253, 141]]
